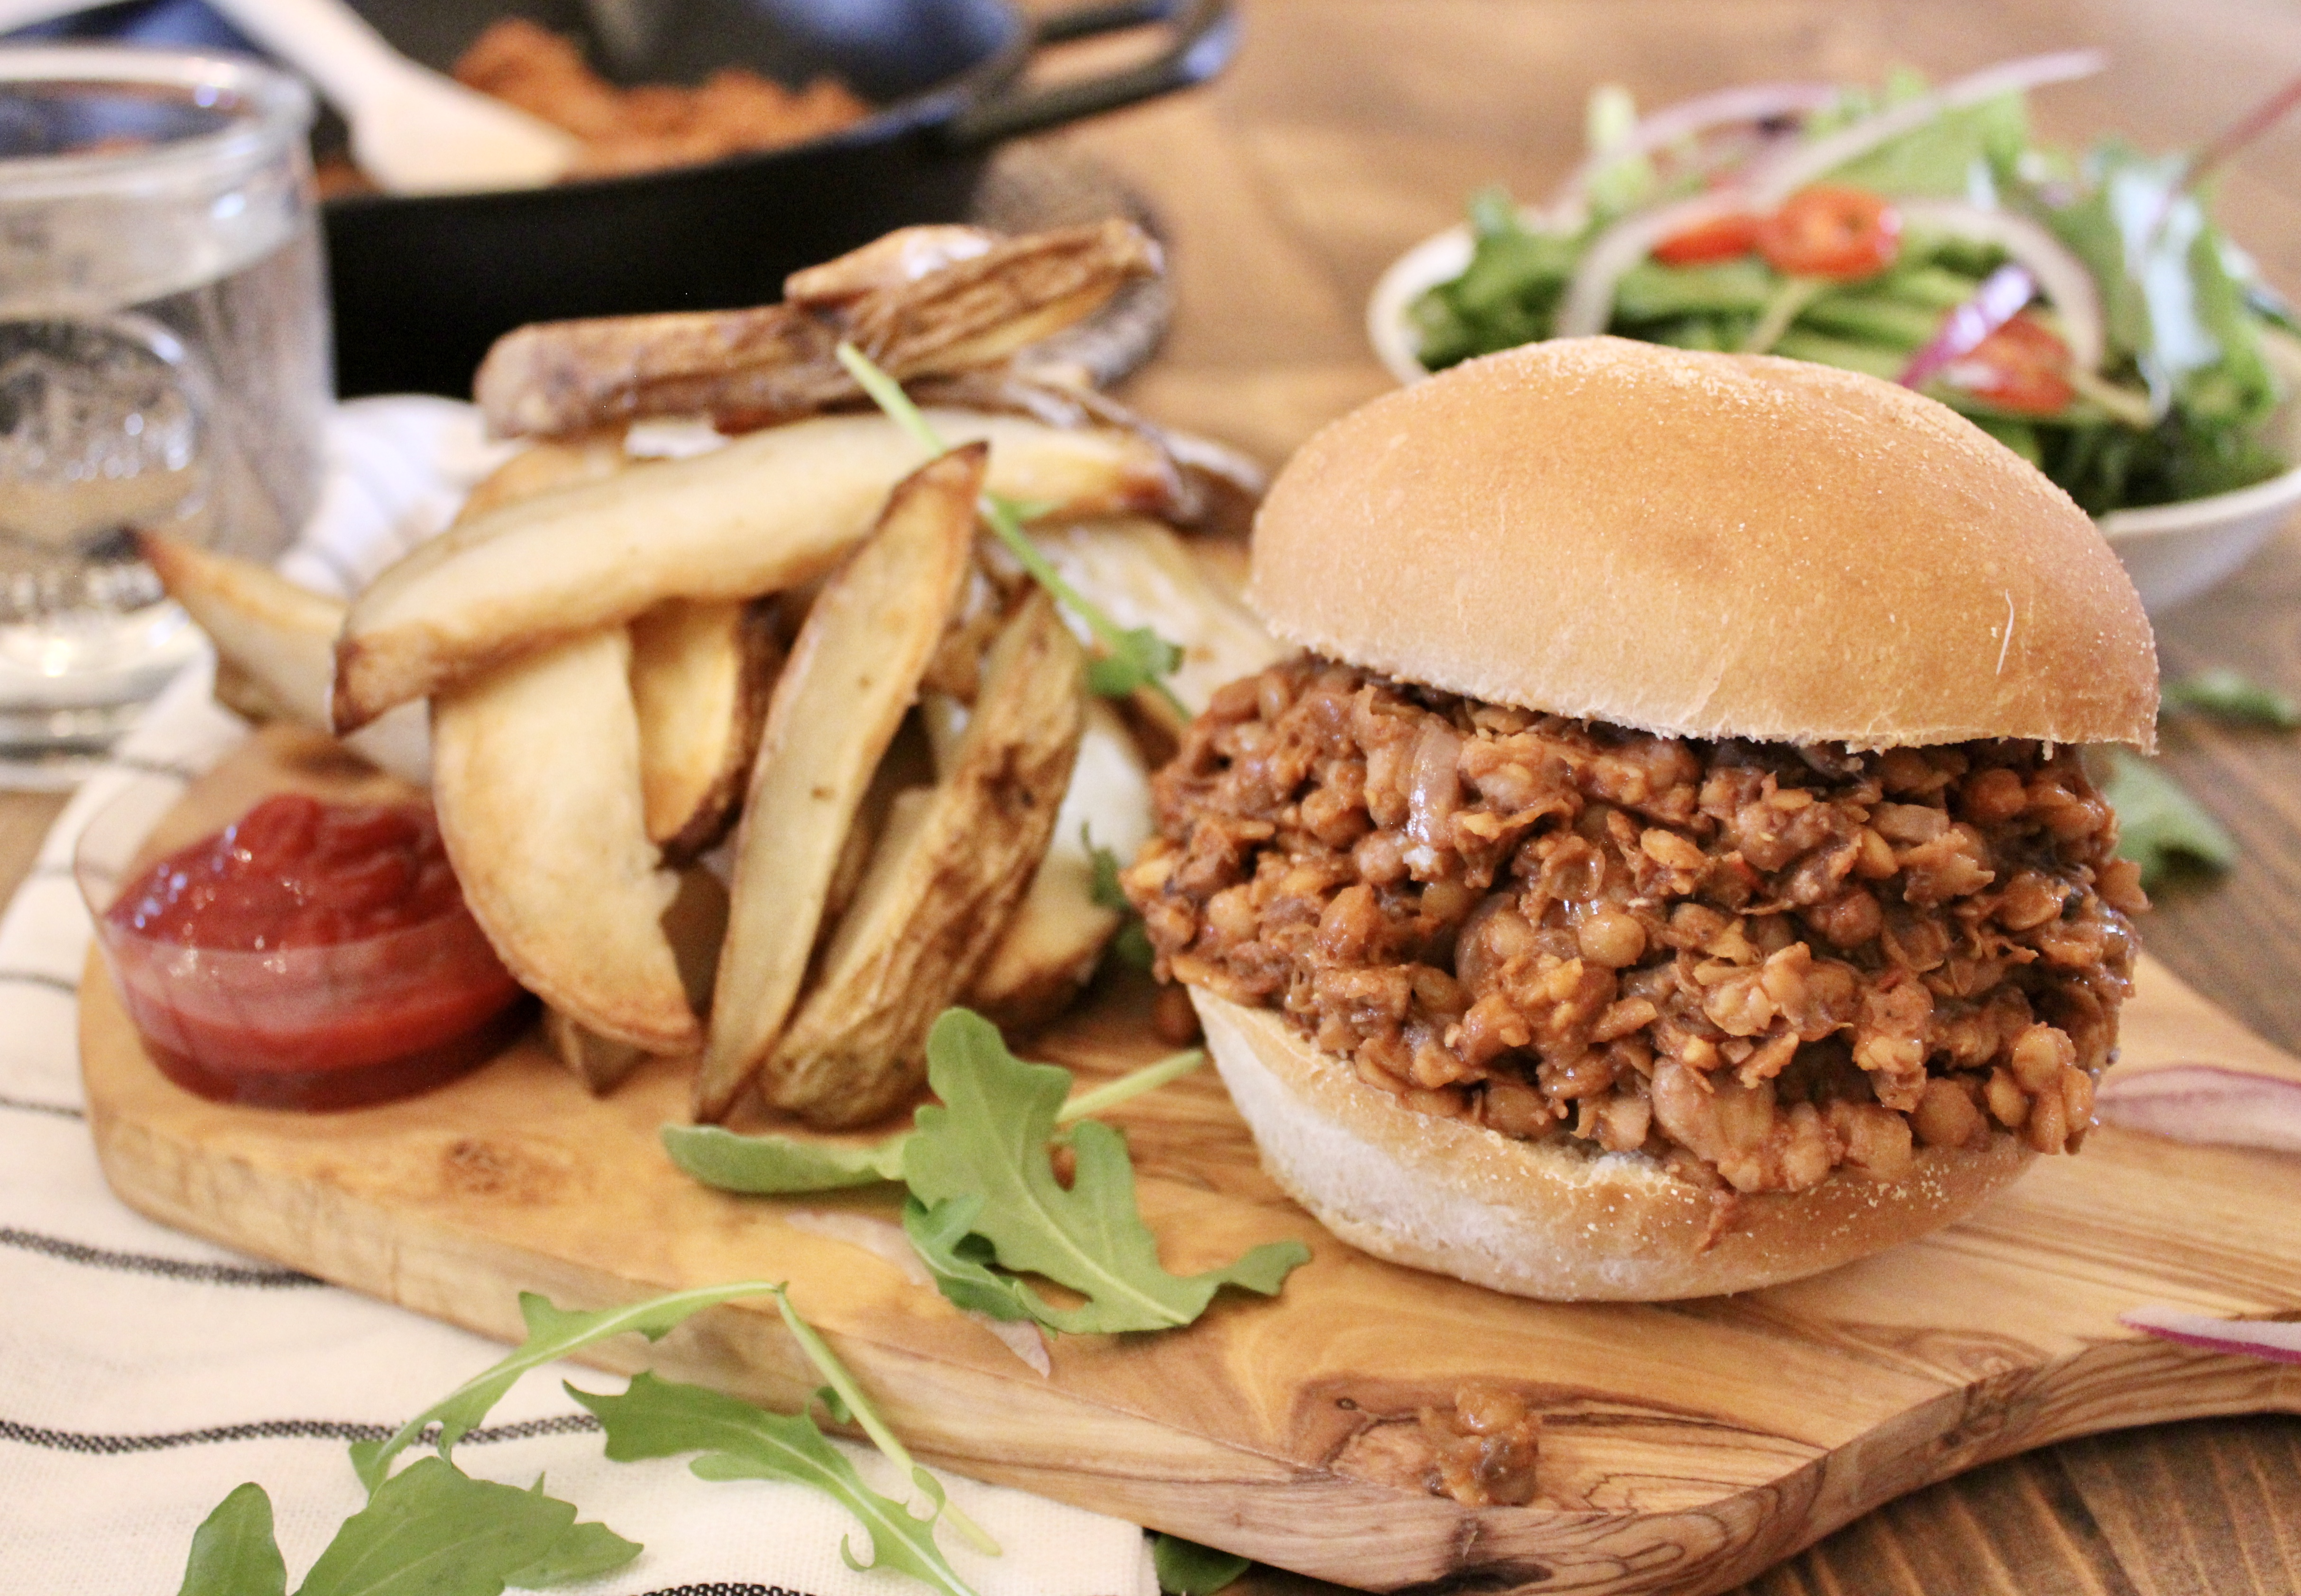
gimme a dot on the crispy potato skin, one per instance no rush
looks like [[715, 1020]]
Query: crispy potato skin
[[768, 513], [851, 676], [939, 889], [922, 303]]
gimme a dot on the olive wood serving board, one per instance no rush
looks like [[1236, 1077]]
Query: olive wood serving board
[[1685, 1446]]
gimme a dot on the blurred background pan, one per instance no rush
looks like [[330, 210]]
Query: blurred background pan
[[423, 284]]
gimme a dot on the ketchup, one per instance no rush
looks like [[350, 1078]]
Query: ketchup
[[310, 955]]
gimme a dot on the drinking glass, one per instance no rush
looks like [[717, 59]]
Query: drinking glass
[[164, 364]]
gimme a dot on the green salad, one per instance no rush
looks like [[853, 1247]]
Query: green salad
[[2084, 310]]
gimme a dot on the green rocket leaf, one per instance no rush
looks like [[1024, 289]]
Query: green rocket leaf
[[233, 1553], [990, 1141], [659, 1418], [773, 1165], [552, 1333]]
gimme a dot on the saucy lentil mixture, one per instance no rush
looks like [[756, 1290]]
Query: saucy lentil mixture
[[1753, 961]]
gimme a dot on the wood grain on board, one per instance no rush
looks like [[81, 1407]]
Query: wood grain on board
[[1686, 1446]]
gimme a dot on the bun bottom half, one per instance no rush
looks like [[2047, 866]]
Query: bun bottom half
[[1558, 1219]]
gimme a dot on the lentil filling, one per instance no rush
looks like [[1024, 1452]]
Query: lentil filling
[[1753, 961]]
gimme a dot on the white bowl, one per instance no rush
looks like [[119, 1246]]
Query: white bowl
[[2172, 552]]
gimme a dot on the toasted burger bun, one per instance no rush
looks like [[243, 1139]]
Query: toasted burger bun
[[1552, 1219], [1705, 546]]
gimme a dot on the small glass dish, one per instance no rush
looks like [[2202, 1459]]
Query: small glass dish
[[337, 1025]]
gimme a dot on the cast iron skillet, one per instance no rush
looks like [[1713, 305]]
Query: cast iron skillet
[[422, 285]]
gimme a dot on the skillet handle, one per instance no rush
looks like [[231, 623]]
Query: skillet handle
[[1205, 37]]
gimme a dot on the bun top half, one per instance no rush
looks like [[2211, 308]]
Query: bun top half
[[1705, 546]]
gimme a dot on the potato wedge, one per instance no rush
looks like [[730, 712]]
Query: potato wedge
[[695, 923], [701, 671], [1143, 574], [976, 311], [1051, 945], [922, 302], [536, 779], [546, 466], [890, 260], [944, 882], [767, 511], [851, 675], [276, 650], [553, 378]]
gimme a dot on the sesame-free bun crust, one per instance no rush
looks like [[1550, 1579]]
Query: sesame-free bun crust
[[1705, 546], [1549, 1219]]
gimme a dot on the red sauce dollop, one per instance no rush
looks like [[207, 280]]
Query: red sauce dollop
[[310, 955]]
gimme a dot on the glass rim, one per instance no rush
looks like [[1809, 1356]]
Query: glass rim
[[275, 110]]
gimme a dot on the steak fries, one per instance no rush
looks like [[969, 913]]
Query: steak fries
[[536, 779], [599, 643], [768, 513], [851, 676], [951, 862]]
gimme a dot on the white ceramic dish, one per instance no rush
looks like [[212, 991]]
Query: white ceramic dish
[[2173, 552]]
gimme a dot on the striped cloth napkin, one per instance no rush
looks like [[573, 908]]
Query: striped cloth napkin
[[144, 1373]]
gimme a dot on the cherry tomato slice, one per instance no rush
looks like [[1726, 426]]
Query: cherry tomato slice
[[2022, 366], [1826, 232], [1724, 238]]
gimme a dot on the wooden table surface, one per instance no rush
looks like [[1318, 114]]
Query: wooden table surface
[[1350, 129]]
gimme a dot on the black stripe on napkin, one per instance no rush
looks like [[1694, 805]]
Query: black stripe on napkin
[[25, 1105], [273, 1429], [143, 1263], [41, 978]]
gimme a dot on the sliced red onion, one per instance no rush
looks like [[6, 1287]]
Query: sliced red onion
[[2278, 1340], [1588, 304], [2206, 1103], [1998, 300], [1779, 177], [1748, 103], [2062, 278]]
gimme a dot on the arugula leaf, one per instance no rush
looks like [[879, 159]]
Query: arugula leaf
[[1186, 1569], [233, 1552], [432, 1530], [1944, 155], [2158, 822], [584, 1551], [1131, 944], [844, 1400], [773, 1165], [2227, 695], [657, 1418], [1135, 659], [776, 1165], [961, 1261], [990, 1141], [552, 1333]]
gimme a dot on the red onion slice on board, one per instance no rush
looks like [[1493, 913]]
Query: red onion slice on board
[[2206, 1103], [2280, 1340]]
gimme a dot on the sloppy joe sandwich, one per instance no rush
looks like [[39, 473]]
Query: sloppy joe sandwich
[[1669, 868]]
